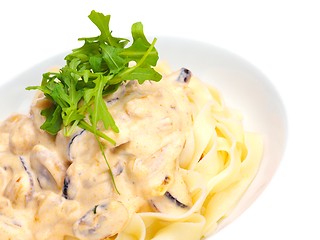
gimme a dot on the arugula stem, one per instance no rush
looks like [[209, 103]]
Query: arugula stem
[[108, 164], [84, 125], [147, 53]]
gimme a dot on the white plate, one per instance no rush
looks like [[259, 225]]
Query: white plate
[[242, 86]]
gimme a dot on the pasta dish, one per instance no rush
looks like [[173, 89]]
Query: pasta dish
[[108, 151], [182, 161]]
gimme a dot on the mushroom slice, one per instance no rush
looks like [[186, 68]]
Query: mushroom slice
[[82, 147], [31, 182], [66, 183], [103, 220], [72, 140], [118, 169], [49, 169], [176, 200], [19, 186], [70, 187], [22, 136], [182, 76]]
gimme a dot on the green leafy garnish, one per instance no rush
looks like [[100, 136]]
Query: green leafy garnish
[[92, 72]]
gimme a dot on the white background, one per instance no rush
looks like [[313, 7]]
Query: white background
[[280, 37]]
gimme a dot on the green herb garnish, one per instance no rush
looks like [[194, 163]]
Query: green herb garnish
[[92, 72]]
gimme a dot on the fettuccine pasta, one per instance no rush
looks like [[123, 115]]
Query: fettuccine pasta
[[181, 162]]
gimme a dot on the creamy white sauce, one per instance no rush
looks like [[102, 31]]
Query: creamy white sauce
[[59, 187]]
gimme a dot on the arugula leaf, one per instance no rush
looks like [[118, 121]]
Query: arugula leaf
[[93, 71], [53, 114], [102, 22], [142, 73]]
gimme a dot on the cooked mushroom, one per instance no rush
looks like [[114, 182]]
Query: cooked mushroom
[[19, 189], [118, 169], [66, 183], [157, 169], [27, 170], [70, 187], [23, 136], [49, 169], [183, 75], [103, 220], [176, 200], [82, 145], [72, 140]]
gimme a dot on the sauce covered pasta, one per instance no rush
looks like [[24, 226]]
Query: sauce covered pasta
[[182, 160]]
